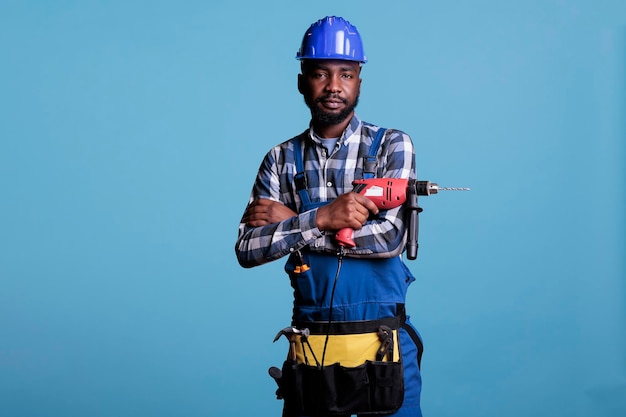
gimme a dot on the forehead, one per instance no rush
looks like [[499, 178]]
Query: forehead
[[330, 65]]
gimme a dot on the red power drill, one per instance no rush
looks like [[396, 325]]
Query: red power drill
[[388, 193]]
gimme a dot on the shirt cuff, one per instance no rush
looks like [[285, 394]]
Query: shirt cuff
[[308, 226]]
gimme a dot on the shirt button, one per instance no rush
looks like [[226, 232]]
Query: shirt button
[[329, 184]]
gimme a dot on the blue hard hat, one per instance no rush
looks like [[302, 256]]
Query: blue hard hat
[[332, 38]]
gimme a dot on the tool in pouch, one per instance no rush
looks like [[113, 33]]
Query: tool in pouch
[[309, 382]]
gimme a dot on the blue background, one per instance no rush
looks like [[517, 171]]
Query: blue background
[[131, 132]]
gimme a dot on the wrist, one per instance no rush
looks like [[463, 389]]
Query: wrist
[[320, 219]]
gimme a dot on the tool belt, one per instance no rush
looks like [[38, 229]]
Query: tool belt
[[364, 374]]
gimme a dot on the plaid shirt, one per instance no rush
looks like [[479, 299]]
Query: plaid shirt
[[328, 176]]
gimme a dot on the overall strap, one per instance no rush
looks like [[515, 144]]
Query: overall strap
[[300, 178], [370, 161]]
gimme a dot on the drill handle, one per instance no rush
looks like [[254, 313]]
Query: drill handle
[[345, 237], [411, 242], [413, 219]]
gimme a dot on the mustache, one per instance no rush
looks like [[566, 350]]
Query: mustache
[[331, 96]]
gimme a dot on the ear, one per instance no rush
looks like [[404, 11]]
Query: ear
[[300, 83]]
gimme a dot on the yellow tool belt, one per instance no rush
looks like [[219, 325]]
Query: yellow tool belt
[[347, 343], [348, 350]]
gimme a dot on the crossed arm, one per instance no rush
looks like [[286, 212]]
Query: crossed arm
[[271, 228], [349, 210]]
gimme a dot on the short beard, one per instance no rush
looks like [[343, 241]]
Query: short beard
[[326, 118]]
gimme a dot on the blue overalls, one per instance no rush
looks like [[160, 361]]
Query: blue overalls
[[365, 290]]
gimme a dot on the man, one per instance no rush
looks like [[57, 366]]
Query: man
[[301, 197]]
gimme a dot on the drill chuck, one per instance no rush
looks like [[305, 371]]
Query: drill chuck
[[426, 187]]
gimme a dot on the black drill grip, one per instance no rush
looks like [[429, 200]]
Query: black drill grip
[[413, 219]]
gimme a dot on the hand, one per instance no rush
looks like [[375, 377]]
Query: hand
[[348, 210], [262, 212]]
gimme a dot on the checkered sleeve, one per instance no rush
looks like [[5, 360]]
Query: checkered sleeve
[[259, 245]]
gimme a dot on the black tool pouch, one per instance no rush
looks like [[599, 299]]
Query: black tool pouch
[[375, 387]]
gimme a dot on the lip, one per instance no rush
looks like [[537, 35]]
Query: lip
[[332, 103]]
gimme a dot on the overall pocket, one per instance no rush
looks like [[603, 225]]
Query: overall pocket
[[302, 279]]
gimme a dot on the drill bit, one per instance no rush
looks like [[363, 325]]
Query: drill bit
[[428, 188], [454, 188]]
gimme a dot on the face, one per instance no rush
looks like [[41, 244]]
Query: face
[[330, 88]]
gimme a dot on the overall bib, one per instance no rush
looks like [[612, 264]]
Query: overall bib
[[340, 306]]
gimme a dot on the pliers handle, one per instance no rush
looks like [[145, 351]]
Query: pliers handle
[[385, 334]]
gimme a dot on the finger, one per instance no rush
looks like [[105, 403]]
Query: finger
[[363, 217], [256, 223], [361, 206], [253, 213], [260, 207], [261, 202], [368, 204]]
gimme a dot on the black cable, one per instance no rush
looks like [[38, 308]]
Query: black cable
[[332, 296]]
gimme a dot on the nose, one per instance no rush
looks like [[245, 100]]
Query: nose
[[334, 84]]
